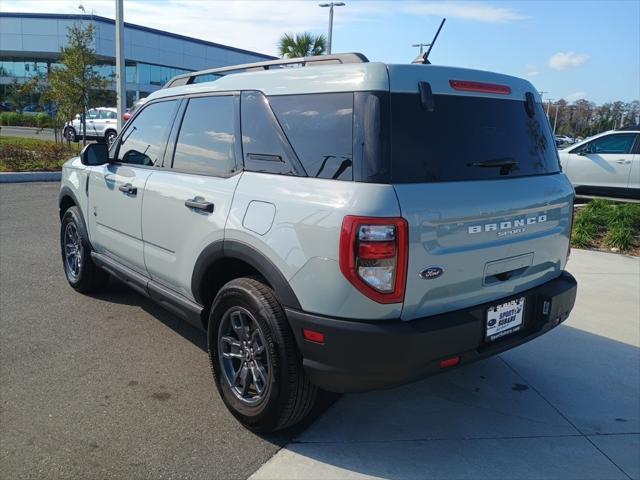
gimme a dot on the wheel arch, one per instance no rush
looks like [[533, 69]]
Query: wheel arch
[[224, 260], [66, 199]]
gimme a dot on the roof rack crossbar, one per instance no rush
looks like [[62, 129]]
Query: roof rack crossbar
[[189, 78]]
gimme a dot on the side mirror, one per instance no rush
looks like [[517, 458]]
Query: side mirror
[[584, 151], [95, 154]]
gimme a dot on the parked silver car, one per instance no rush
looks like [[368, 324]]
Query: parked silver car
[[102, 125]]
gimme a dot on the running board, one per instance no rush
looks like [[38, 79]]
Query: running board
[[168, 299]]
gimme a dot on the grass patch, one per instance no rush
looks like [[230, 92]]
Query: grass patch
[[18, 154], [604, 224]]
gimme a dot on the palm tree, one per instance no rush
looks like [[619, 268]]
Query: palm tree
[[301, 45]]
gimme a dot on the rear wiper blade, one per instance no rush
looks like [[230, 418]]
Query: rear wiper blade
[[504, 164], [498, 162]]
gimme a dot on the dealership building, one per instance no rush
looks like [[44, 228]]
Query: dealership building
[[30, 44]]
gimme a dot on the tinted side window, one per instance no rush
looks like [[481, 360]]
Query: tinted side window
[[206, 141], [617, 143], [145, 138], [320, 129], [265, 146]]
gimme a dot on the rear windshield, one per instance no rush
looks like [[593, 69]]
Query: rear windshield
[[468, 138]]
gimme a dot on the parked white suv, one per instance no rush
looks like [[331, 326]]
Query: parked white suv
[[345, 226], [102, 125], [605, 164]]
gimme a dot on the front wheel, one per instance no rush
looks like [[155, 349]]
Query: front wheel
[[256, 365], [82, 274], [70, 134], [110, 137]]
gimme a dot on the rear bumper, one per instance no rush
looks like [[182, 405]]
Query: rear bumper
[[367, 355]]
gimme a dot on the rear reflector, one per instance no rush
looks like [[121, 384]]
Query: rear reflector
[[449, 362], [481, 87], [313, 336]]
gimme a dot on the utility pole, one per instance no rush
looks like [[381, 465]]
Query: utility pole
[[555, 120], [421, 45], [121, 89], [331, 5]]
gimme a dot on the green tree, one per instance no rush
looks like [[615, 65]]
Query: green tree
[[301, 45], [71, 83]]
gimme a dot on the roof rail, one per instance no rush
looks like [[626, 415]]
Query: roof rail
[[189, 78]]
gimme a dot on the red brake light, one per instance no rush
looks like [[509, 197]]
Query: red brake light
[[468, 86], [373, 256], [376, 250]]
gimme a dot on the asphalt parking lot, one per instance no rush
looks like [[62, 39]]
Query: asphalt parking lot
[[109, 386], [112, 386]]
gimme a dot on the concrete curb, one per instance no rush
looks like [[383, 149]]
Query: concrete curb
[[21, 177]]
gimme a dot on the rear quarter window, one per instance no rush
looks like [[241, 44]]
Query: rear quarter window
[[319, 127]]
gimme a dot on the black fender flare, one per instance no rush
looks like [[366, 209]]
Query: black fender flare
[[222, 249], [65, 191]]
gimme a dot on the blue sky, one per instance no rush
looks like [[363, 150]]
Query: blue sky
[[571, 49]]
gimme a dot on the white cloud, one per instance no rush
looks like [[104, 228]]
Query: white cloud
[[572, 97], [564, 60], [477, 11]]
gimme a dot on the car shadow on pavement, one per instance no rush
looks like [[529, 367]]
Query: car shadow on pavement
[[538, 411], [119, 292]]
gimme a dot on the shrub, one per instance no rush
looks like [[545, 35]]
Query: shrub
[[607, 224], [43, 120], [27, 154]]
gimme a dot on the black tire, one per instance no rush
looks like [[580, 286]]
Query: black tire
[[82, 274], [70, 134], [109, 137], [289, 395]]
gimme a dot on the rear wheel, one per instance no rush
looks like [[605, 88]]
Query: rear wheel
[[256, 365], [82, 274]]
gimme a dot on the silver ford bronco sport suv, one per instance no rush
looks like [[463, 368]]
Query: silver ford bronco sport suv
[[345, 225]]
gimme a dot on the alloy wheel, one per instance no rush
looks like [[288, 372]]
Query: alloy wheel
[[72, 252], [243, 357]]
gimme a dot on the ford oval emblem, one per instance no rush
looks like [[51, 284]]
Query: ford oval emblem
[[431, 272]]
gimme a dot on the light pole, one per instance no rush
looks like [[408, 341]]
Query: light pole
[[121, 89], [421, 45], [331, 5]]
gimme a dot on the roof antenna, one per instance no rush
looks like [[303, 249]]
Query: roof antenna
[[424, 59]]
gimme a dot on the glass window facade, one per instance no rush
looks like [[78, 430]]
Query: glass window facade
[[145, 77]]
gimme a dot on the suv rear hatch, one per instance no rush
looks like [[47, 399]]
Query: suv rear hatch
[[478, 179]]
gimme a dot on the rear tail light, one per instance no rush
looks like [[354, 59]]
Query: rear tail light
[[373, 256], [467, 86]]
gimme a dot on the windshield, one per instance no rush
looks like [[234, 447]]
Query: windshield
[[468, 138]]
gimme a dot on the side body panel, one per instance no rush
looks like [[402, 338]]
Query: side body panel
[[174, 234], [114, 216], [302, 236], [598, 170]]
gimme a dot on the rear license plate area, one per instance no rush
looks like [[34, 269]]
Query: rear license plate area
[[504, 319]]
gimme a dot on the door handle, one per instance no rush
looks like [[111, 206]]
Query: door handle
[[198, 203], [623, 162], [128, 189]]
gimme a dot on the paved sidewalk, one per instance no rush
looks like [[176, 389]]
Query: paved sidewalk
[[566, 405]]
